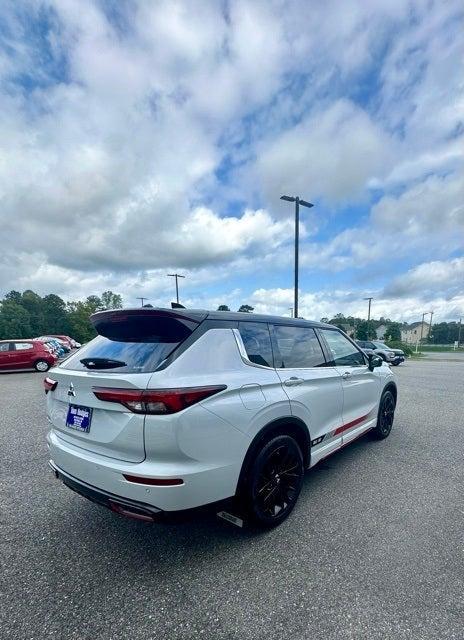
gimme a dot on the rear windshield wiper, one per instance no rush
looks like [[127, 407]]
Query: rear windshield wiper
[[102, 363]]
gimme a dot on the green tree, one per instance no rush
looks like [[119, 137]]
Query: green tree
[[365, 330], [78, 317], [111, 300], [223, 307], [14, 321], [55, 316], [393, 332], [13, 296], [245, 308], [33, 304]]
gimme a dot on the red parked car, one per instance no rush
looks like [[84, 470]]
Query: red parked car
[[25, 354]]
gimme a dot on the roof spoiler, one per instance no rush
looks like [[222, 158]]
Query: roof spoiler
[[137, 325]]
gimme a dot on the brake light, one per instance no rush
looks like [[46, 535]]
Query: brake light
[[157, 401], [49, 384]]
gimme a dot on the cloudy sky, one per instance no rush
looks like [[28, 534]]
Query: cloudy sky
[[139, 138]]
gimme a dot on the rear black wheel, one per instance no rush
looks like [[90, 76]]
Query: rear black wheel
[[274, 482], [386, 416]]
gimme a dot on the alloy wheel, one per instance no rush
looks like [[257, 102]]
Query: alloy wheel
[[278, 482]]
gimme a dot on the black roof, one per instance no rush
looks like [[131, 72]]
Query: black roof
[[199, 315], [239, 316]]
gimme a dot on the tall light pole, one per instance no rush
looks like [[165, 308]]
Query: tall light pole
[[141, 299], [459, 333], [176, 276], [303, 203], [430, 325]]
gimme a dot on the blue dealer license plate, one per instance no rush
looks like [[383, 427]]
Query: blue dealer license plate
[[79, 418]]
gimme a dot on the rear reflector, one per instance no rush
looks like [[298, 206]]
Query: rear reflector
[[155, 482], [49, 384], [157, 401]]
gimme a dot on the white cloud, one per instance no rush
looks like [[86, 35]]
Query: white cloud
[[333, 153], [116, 128], [445, 278]]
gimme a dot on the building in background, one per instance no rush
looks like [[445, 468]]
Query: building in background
[[411, 333]]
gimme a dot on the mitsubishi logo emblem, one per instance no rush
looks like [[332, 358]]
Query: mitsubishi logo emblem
[[71, 391]]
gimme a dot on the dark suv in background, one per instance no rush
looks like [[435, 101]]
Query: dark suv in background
[[392, 356]]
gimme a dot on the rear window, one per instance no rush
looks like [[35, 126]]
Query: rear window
[[136, 347]]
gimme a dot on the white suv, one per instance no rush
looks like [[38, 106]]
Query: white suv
[[167, 410]]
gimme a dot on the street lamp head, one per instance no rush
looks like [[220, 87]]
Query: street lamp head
[[306, 204], [288, 198]]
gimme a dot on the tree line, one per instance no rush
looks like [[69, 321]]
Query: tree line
[[28, 315], [442, 332]]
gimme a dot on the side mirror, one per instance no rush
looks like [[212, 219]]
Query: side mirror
[[374, 361]]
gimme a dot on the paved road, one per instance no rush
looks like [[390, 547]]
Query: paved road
[[374, 549]]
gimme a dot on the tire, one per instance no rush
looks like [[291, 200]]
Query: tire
[[383, 357], [385, 417], [273, 482], [41, 366]]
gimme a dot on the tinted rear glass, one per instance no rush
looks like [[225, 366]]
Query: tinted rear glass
[[141, 347]]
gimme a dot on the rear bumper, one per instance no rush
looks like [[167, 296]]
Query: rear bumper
[[202, 483], [118, 504]]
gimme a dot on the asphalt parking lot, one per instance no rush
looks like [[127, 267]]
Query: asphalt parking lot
[[374, 549]]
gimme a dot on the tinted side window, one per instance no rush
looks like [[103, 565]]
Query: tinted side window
[[257, 342], [296, 347], [344, 352]]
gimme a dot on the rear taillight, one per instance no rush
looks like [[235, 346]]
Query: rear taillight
[[49, 384], [157, 401]]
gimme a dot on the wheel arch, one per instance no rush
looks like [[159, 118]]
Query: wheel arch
[[391, 386], [289, 425]]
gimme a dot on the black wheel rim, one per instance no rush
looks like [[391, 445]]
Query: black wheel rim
[[278, 482], [386, 414]]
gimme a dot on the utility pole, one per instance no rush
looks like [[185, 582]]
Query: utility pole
[[303, 203], [430, 325], [459, 333], [368, 316], [176, 276], [141, 299], [422, 327]]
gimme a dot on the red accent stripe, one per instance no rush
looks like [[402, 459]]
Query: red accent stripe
[[348, 425]]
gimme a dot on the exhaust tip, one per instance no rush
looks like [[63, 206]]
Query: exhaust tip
[[130, 512]]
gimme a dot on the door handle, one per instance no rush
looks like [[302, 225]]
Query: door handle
[[293, 381], [346, 375]]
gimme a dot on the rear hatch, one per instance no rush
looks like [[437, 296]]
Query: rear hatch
[[131, 345]]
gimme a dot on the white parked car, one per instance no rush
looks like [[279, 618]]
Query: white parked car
[[167, 410]]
